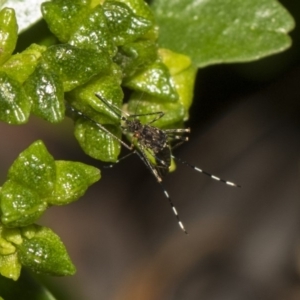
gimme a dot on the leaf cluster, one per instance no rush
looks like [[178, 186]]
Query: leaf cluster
[[35, 181]]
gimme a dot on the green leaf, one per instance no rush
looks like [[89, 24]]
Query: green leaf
[[12, 235], [46, 93], [25, 288], [216, 31], [45, 253], [6, 247], [155, 80], [92, 139], [133, 57], [97, 143], [184, 84], [176, 62], [144, 104], [141, 8], [64, 16], [14, 104], [8, 33], [21, 65], [123, 24], [183, 75], [84, 100], [10, 266], [93, 33], [75, 66], [20, 205], [35, 169], [72, 181]]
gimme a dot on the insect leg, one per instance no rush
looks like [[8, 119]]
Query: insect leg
[[176, 140], [175, 134], [120, 159], [205, 173], [173, 208], [144, 158], [179, 130], [146, 161]]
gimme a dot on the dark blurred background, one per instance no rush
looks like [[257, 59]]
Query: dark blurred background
[[243, 243]]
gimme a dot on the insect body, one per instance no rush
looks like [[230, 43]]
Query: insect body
[[152, 145], [154, 140]]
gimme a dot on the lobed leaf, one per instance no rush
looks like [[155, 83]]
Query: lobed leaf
[[35, 169], [21, 65], [97, 143], [93, 33], [44, 252], [140, 8], [154, 80], [64, 16], [72, 181], [123, 24], [14, 103], [136, 56], [75, 66], [6, 247], [46, 93], [10, 266], [20, 205], [174, 111], [84, 100]]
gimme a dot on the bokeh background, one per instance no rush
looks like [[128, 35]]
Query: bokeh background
[[242, 244]]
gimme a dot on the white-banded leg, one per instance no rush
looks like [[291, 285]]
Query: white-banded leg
[[178, 139], [173, 208], [144, 158], [206, 173], [178, 130], [177, 135]]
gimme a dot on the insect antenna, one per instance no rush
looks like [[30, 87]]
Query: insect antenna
[[138, 102], [100, 126], [206, 173], [115, 109]]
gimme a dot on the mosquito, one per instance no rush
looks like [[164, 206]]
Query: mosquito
[[152, 145]]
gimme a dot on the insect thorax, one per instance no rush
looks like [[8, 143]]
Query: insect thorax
[[148, 136]]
